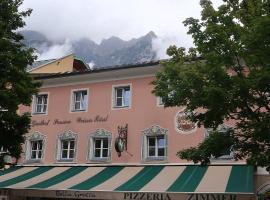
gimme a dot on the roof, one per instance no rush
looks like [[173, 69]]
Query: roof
[[221, 179], [38, 64], [96, 70]]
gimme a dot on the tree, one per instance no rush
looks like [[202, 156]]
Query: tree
[[16, 87], [226, 76]]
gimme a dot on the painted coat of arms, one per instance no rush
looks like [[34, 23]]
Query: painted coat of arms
[[183, 123]]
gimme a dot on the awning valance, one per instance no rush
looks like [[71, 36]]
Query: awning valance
[[157, 178]]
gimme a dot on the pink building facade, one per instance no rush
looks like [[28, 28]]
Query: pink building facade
[[103, 134]]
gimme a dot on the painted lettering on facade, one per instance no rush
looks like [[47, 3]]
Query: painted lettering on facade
[[74, 194], [212, 197], [146, 196], [40, 123]]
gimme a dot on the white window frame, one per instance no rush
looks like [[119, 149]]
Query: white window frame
[[72, 100], [114, 97], [222, 129], [66, 136], [37, 150], [36, 136], [156, 147], [154, 131], [69, 149], [34, 104], [99, 134]]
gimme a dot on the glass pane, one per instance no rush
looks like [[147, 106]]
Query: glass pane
[[151, 151], [34, 145], [97, 153], [119, 92], [105, 153], [77, 106], [40, 144], [64, 153], [161, 142], [44, 108], [126, 97], [97, 143], [105, 143], [45, 99], [39, 154], [34, 153], [64, 144], [161, 152], [119, 101], [38, 108], [152, 142], [77, 96], [39, 99], [71, 154], [72, 144]]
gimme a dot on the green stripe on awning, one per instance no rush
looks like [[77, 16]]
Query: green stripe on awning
[[140, 179], [9, 170], [25, 176], [59, 178], [189, 179], [240, 180], [99, 178]]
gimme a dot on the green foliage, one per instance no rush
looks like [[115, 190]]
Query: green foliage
[[230, 81], [16, 87]]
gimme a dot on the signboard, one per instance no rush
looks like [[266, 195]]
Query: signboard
[[70, 194]]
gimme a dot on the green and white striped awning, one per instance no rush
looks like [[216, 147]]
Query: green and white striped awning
[[236, 179]]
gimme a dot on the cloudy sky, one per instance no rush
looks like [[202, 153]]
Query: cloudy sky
[[98, 19]]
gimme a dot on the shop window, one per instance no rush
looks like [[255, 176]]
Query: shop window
[[79, 100], [35, 144], [40, 103], [154, 143], [66, 147], [222, 129], [100, 146], [122, 96]]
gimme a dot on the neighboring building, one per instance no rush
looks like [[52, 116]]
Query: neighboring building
[[102, 134], [68, 63]]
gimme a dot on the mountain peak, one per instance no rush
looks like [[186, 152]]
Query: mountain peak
[[151, 34]]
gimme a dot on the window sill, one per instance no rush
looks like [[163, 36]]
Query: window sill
[[40, 113], [74, 111], [66, 161], [30, 161], [121, 107], [99, 160], [155, 159]]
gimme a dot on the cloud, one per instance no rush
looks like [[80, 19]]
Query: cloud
[[55, 51]]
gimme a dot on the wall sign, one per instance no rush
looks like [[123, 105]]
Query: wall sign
[[183, 124], [121, 141], [95, 119]]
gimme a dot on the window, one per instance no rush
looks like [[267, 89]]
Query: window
[[227, 153], [35, 145], [36, 149], [154, 145], [100, 146], [40, 104], [79, 100], [66, 147], [121, 97]]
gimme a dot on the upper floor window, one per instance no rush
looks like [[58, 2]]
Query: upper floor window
[[66, 146], [100, 146], [40, 103], [122, 96], [154, 146], [35, 147], [227, 154], [79, 100]]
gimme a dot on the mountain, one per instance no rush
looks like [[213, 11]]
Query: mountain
[[110, 52]]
